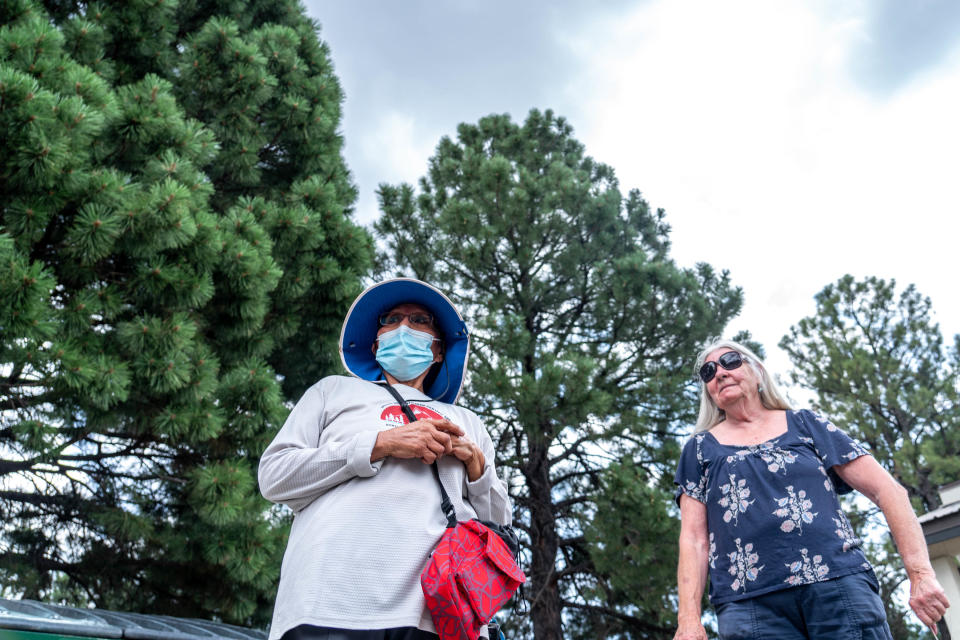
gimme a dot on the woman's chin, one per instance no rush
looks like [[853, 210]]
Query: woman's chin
[[728, 396]]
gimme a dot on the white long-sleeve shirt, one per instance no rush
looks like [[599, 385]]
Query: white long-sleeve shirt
[[363, 531]]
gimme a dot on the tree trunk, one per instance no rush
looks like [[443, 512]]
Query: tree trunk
[[544, 591]]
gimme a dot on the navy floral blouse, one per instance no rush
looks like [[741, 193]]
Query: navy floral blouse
[[773, 515]]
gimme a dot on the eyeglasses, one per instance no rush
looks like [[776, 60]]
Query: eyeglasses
[[417, 318], [730, 360]]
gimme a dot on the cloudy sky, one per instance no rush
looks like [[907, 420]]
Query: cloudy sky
[[790, 142]]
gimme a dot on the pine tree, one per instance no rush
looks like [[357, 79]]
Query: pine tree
[[878, 365], [176, 253], [879, 368], [583, 336]]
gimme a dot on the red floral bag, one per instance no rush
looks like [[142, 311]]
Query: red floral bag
[[470, 575]]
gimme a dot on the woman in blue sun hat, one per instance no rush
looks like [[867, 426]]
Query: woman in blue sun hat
[[356, 475]]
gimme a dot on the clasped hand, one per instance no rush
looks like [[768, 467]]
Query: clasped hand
[[429, 439]]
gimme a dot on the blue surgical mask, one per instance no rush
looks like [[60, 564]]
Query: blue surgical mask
[[405, 353]]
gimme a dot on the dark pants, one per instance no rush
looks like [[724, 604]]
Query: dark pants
[[309, 632], [846, 608]]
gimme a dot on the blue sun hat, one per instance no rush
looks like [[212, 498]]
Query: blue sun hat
[[362, 322]]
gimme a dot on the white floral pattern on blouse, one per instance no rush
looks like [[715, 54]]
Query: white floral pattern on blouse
[[743, 565], [734, 498], [807, 569], [794, 509]]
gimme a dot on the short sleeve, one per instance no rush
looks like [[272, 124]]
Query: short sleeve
[[691, 478], [833, 446]]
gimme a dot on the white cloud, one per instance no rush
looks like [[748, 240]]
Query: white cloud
[[742, 120], [395, 149]]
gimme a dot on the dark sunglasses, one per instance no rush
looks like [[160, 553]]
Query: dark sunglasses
[[730, 360], [417, 318]]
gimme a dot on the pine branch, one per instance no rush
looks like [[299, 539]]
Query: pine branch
[[40, 499]]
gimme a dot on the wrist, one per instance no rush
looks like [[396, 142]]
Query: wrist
[[920, 572], [689, 617], [381, 446], [475, 466]]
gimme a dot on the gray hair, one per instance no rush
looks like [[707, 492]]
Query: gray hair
[[770, 395]]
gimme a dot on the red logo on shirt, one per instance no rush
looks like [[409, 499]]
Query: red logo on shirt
[[393, 415]]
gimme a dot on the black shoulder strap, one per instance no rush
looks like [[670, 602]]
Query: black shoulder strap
[[445, 504]]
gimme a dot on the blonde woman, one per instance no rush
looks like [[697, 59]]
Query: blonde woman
[[758, 488]]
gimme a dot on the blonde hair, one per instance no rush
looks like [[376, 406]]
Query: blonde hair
[[770, 395]]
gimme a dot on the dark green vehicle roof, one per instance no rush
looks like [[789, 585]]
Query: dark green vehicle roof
[[31, 620]]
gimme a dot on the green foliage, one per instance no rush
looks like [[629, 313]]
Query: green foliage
[[634, 551], [880, 370], [176, 249], [583, 333]]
